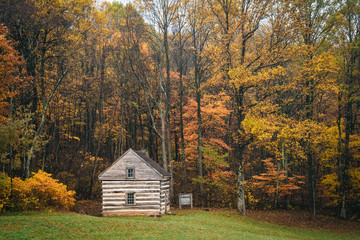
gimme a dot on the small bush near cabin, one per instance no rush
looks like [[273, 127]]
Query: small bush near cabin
[[36, 193]]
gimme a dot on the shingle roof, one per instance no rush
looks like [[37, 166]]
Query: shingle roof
[[153, 164]]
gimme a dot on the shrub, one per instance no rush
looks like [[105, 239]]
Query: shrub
[[36, 193], [4, 191], [49, 191]]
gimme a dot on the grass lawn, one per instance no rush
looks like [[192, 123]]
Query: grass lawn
[[185, 224]]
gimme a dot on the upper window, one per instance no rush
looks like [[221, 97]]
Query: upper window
[[130, 173]]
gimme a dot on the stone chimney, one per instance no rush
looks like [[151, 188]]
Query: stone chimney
[[144, 151]]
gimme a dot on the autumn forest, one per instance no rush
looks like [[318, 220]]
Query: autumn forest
[[248, 104]]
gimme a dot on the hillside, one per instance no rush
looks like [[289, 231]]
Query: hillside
[[184, 225]]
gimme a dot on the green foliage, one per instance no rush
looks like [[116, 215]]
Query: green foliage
[[4, 193], [220, 181], [17, 137]]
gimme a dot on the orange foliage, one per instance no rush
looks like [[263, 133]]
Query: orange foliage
[[219, 182], [267, 181], [10, 61]]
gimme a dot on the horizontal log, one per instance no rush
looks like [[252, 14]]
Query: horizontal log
[[132, 182], [115, 195], [142, 199], [115, 177], [131, 186], [131, 191], [130, 212], [138, 194], [147, 199], [112, 208], [136, 205], [120, 188], [114, 214], [155, 200]]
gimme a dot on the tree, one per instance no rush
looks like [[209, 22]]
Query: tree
[[180, 55], [199, 28], [312, 22], [161, 14], [10, 74], [349, 34], [216, 174], [253, 48]]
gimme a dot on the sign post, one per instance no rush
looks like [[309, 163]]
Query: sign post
[[185, 199]]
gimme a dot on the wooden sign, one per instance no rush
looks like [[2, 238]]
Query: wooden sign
[[185, 199]]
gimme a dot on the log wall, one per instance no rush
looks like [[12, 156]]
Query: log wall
[[147, 197]]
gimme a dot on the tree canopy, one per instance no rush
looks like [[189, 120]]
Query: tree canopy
[[248, 104]]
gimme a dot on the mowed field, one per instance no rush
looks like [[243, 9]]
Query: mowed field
[[186, 224]]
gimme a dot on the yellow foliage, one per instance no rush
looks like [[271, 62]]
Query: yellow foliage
[[331, 184], [38, 192], [251, 199], [331, 187], [49, 191]]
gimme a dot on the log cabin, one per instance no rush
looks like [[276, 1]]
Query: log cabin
[[135, 185]]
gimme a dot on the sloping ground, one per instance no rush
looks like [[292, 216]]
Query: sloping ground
[[304, 219], [186, 224]]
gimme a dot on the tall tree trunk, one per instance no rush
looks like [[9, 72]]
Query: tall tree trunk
[[197, 83], [168, 96], [311, 181], [240, 148], [163, 143], [277, 183], [42, 123], [169, 146], [121, 141], [183, 157], [102, 78], [199, 147], [240, 185], [286, 168], [346, 156]]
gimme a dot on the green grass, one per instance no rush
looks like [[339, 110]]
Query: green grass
[[184, 225]]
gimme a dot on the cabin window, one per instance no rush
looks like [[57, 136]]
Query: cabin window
[[130, 198], [130, 173]]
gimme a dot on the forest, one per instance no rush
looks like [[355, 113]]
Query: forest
[[248, 104]]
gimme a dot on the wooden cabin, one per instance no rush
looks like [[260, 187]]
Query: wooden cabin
[[135, 185]]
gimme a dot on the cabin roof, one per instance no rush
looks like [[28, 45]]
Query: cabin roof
[[142, 156], [153, 164]]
